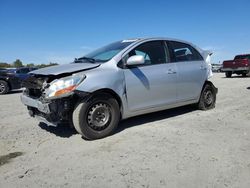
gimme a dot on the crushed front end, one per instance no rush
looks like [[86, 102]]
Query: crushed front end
[[49, 104]]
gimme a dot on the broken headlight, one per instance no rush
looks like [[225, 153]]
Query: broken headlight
[[64, 86]]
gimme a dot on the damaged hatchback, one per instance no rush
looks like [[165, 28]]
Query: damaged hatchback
[[123, 79]]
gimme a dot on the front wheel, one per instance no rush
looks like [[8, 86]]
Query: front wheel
[[4, 87], [244, 74], [208, 98], [97, 117]]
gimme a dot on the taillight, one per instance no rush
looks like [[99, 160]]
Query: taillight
[[245, 62]]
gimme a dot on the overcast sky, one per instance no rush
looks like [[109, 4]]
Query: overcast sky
[[59, 30]]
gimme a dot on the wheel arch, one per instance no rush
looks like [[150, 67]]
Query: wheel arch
[[6, 82], [207, 82], [112, 93]]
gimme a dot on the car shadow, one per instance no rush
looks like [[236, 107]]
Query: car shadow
[[63, 131], [156, 116], [248, 87]]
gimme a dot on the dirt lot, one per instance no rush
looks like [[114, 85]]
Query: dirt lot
[[183, 147]]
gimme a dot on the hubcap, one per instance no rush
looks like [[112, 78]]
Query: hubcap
[[208, 96], [2, 88], [99, 116]]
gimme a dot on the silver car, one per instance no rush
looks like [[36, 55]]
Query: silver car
[[123, 79]]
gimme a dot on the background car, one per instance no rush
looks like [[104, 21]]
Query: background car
[[240, 66], [11, 78], [216, 67]]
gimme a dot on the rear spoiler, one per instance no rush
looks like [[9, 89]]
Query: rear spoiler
[[206, 54]]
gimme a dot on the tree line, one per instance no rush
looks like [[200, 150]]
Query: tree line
[[18, 63]]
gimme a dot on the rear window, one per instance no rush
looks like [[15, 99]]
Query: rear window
[[242, 57], [23, 71]]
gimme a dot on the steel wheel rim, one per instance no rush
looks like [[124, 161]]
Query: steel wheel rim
[[2, 87], [208, 97], [99, 116]]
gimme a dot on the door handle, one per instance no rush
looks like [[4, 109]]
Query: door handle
[[170, 71]]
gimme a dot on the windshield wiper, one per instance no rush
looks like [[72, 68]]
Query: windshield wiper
[[79, 60]]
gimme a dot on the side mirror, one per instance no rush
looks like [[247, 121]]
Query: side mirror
[[135, 60]]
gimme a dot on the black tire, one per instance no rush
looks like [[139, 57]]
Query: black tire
[[208, 98], [244, 74], [4, 87], [97, 117], [228, 74]]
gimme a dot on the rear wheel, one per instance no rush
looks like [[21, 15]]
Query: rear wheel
[[97, 117], [4, 87], [228, 74], [207, 98], [244, 74]]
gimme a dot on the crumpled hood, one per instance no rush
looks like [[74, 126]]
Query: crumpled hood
[[66, 68]]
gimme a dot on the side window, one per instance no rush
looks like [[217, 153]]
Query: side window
[[153, 52], [23, 71], [145, 55], [184, 52]]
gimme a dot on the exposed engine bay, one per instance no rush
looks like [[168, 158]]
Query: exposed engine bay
[[54, 111]]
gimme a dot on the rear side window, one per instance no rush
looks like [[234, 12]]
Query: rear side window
[[153, 52], [184, 52]]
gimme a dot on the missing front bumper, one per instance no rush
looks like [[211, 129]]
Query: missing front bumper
[[42, 107], [53, 112]]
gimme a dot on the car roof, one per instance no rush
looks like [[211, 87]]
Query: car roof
[[156, 38], [147, 39], [7, 69]]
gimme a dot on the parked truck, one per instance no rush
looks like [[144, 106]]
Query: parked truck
[[240, 65]]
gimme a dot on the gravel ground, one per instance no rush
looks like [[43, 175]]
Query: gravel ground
[[182, 147]]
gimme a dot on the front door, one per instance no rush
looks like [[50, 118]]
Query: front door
[[154, 83]]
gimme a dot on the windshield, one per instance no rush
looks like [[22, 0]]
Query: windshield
[[105, 53], [242, 57]]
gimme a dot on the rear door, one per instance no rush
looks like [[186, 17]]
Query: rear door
[[191, 70], [12, 79], [154, 83]]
